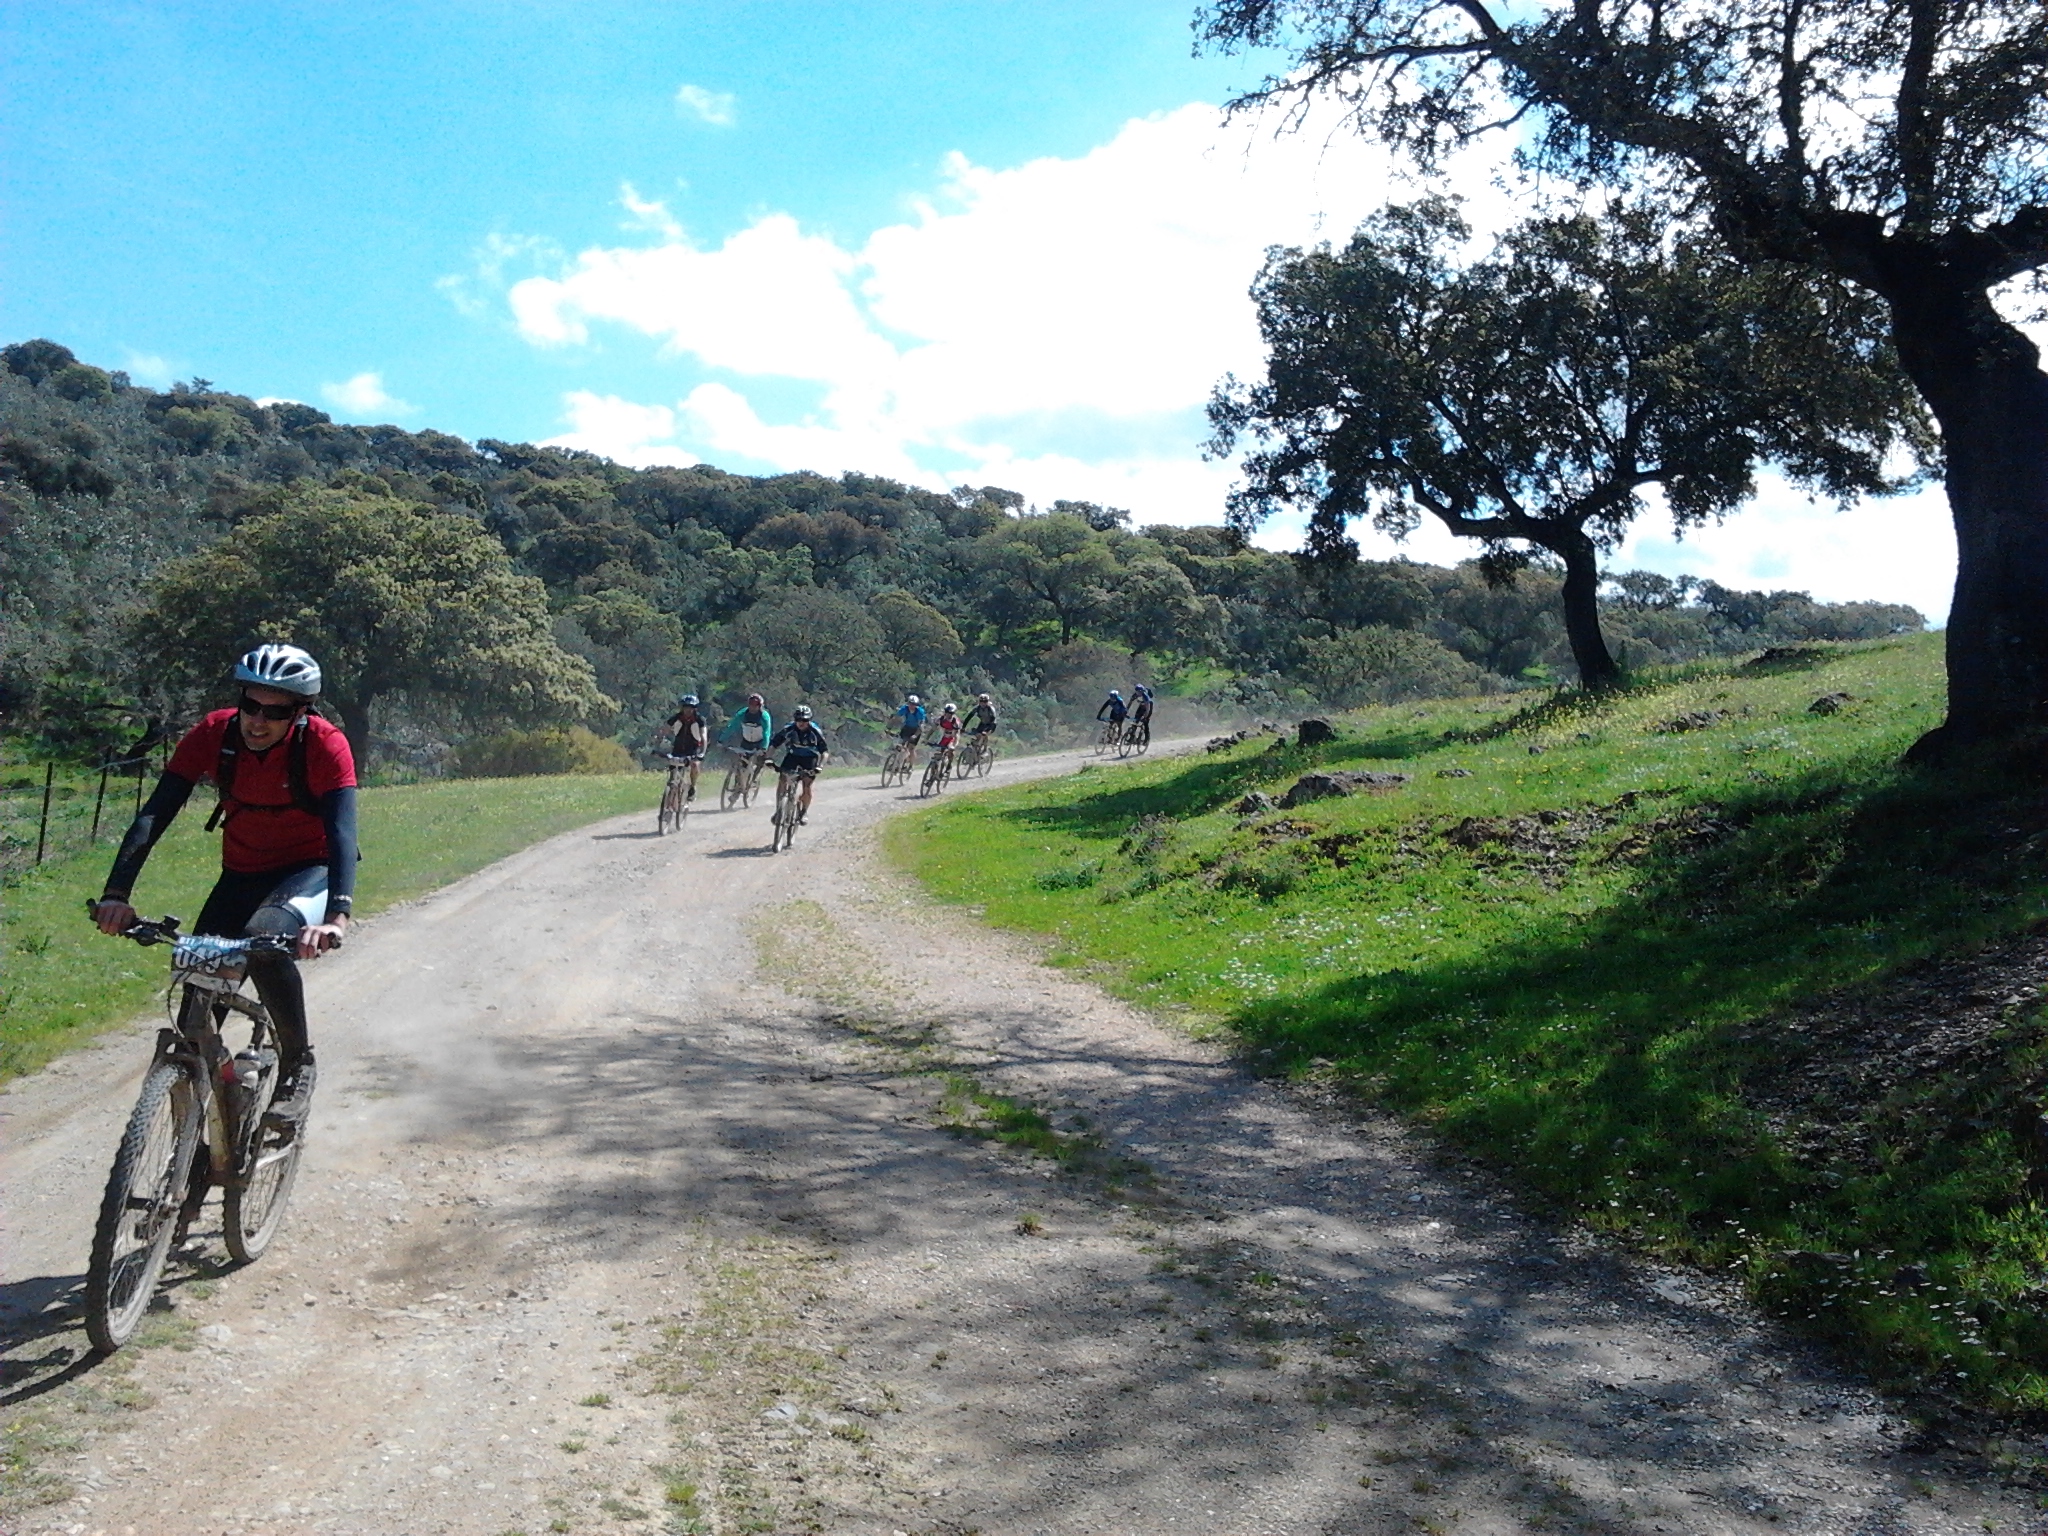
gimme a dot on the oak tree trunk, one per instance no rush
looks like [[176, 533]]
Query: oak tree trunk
[[355, 724], [1582, 612], [1982, 379]]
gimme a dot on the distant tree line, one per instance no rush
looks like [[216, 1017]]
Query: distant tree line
[[458, 589]]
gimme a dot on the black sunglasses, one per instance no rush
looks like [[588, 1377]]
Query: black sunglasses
[[249, 706]]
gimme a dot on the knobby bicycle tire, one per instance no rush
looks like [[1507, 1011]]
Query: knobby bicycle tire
[[896, 766], [144, 1191], [253, 1205], [936, 772], [673, 807], [733, 792], [784, 825]]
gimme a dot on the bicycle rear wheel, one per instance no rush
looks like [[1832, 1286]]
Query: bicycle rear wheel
[[253, 1205], [987, 760], [139, 1211]]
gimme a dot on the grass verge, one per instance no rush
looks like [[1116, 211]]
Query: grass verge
[[1675, 960], [63, 983]]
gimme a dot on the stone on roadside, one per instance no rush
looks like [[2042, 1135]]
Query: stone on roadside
[[1830, 704], [1454, 773], [1257, 803], [1313, 733], [1327, 786]]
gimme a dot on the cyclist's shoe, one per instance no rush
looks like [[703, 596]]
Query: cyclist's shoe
[[294, 1094]]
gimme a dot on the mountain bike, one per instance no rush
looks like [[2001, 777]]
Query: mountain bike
[[206, 1115], [788, 806], [980, 755], [1112, 734], [1137, 736], [937, 771], [742, 779], [897, 765], [677, 795]]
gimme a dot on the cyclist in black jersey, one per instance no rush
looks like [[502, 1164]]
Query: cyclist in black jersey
[[804, 750], [981, 718]]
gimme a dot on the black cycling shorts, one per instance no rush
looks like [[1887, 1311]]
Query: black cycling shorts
[[798, 762], [909, 734], [279, 901]]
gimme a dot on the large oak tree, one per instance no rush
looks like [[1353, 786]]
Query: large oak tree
[[1901, 145], [389, 596], [1529, 398]]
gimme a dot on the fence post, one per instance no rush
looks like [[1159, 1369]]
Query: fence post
[[99, 799], [43, 830]]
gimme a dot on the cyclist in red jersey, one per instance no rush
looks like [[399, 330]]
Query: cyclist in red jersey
[[288, 835]]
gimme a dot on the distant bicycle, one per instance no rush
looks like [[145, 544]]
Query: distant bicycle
[[937, 771], [1136, 738], [896, 766], [742, 779], [1112, 737], [788, 807], [677, 794], [205, 1116], [980, 755]]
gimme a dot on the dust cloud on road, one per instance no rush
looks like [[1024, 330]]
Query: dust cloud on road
[[655, 1185]]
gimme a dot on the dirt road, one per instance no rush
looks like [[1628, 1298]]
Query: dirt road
[[655, 1185]]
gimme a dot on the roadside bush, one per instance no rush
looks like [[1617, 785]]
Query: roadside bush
[[516, 754]]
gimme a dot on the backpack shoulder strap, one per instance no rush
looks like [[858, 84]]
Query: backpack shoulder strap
[[224, 774], [296, 777]]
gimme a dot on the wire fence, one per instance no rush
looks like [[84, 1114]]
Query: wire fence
[[50, 809]]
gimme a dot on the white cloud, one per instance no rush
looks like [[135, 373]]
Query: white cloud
[[713, 107], [365, 395], [148, 368], [1056, 327], [1897, 549]]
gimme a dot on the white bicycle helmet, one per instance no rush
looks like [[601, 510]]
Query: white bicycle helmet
[[912, 699], [283, 667], [801, 712]]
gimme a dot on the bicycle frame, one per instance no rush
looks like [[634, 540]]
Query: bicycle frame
[[210, 972]]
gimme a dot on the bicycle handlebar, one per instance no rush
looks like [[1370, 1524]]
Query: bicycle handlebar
[[164, 930]]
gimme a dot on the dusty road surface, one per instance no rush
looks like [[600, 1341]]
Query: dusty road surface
[[663, 1185]]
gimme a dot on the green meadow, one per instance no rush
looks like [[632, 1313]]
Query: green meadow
[[61, 981], [1663, 959]]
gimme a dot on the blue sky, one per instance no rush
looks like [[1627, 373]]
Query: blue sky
[[1005, 243]]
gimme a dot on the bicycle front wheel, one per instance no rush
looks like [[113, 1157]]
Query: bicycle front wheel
[[253, 1205], [733, 793], [671, 815], [139, 1212]]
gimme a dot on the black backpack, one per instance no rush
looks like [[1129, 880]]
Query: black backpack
[[295, 775]]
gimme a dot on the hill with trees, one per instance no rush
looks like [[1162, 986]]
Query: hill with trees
[[461, 589]]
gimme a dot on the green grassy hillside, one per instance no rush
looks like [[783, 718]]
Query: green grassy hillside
[[62, 981], [1696, 965]]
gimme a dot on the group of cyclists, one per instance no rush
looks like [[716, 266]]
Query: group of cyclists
[[287, 785], [1126, 719]]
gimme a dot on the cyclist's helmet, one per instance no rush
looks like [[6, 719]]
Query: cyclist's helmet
[[283, 667], [1142, 691], [689, 701], [912, 698], [950, 709], [801, 712], [1114, 694], [753, 698], [981, 698]]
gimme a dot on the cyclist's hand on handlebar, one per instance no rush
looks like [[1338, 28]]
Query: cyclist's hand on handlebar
[[316, 938], [114, 917]]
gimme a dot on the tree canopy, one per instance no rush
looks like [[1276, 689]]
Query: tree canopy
[[390, 597], [1528, 398]]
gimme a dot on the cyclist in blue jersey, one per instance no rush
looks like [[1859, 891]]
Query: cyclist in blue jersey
[[908, 724]]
